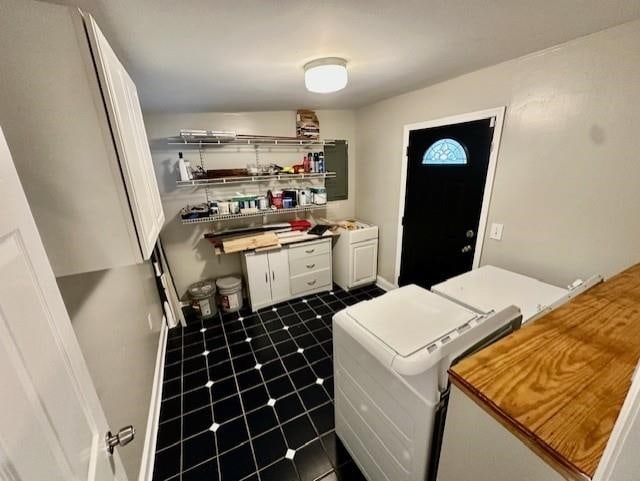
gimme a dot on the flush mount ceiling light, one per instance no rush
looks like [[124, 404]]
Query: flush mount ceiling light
[[326, 75]]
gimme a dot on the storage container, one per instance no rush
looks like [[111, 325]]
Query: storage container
[[230, 293], [203, 299]]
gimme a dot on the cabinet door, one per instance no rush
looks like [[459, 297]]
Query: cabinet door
[[258, 279], [279, 272], [125, 116], [364, 258]]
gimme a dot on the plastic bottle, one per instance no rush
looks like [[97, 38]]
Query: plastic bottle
[[183, 167], [321, 162]]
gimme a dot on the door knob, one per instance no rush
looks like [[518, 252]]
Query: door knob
[[121, 438], [470, 234], [466, 249]]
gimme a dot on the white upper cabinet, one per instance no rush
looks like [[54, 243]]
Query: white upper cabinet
[[72, 119], [130, 137]]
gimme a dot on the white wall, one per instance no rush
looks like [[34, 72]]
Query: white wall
[[567, 180], [190, 256], [108, 311]]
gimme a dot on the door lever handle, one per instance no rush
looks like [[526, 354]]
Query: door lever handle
[[123, 437], [466, 249]]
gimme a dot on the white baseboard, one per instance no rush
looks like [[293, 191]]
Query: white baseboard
[[384, 284], [149, 449]]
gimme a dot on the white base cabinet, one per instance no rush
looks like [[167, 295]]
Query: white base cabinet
[[355, 257], [292, 271]]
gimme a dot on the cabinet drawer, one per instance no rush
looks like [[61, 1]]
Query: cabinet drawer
[[310, 281], [301, 251], [365, 234], [309, 264]]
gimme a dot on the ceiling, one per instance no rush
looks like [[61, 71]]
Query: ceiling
[[240, 55]]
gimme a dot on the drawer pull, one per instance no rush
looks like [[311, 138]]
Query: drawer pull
[[310, 251], [311, 283], [310, 266]]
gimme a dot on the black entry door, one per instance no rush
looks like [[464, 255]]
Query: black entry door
[[446, 174]]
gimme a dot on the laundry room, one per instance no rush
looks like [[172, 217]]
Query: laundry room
[[320, 241]]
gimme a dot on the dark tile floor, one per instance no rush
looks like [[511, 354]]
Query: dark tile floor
[[249, 396]]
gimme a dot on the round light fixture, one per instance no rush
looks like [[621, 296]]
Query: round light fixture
[[326, 75]]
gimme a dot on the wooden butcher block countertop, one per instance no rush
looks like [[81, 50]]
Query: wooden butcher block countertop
[[558, 384]]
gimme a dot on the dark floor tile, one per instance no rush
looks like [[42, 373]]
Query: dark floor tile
[[349, 472], [167, 463], [284, 311], [312, 396], [323, 334], [266, 354], [323, 310], [217, 356], [334, 448], [298, 432], [279, 336], [220, 371], [237, 463], [244, 362], [315, 324], [227, 409], [323, 368], [195, 380], [291, 320], [288, 407], [298, 330], [332, 476], [238, 336], [249, 379], [312, 462], [223, 389], [170, 409], [261, 342], [280, 387], [272, 370], [172, 372], [207, 471], [286, 347], [268, 315], [231, 434], [283, 470], [193, 350], [294, 361], [314, 354], [240, 349], [168, 433], [269, 447], [303, 377], [306, 340], [323, 418], [198, 449], [196, 399], [172, 357], [261, 420], [194, 364], [255, 331], [196, 422], [254, 398], [171, 388], [328, 386], [174, 344]]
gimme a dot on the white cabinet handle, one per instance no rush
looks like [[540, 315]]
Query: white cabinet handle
[[312, 282], [310, 266], [310, 251]]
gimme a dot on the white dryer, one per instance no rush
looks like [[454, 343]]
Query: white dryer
[[392, 353]]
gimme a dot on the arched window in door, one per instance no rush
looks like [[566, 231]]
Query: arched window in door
[[445, 152]]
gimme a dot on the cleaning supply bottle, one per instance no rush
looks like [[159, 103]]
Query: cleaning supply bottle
[[183, 167], [321, 165]]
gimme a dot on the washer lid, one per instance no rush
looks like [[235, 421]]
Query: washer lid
[[409, 318], [491, 288]]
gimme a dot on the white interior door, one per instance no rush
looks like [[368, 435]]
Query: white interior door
[[52, 426], [364, 256], [259, 279], [125, 115], [279, 267]]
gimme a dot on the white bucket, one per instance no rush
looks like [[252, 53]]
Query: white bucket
[[230, 293], [203, 296]]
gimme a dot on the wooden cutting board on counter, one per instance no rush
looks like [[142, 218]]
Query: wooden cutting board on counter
[[243, 243]]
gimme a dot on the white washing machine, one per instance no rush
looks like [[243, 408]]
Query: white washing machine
[[392, 353]]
